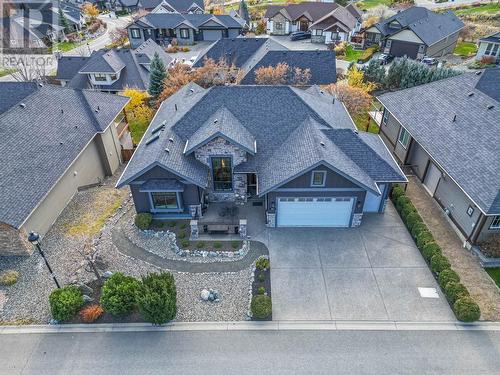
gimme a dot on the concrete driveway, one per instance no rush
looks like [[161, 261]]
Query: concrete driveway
[[368, 273]]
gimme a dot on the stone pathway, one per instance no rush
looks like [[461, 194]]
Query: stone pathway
[[472, 275]]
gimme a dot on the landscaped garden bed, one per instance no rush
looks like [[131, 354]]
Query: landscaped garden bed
[[261, 306], [462, 304]]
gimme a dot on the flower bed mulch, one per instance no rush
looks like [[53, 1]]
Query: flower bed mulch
[[266, 284]]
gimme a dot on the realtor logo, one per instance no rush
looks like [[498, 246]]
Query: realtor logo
[[28, 27]]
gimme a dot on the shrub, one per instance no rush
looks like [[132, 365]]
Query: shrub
[[262, 263], [417, 229], [429, 250], [143, 220], [453, 291], [217, 245], [8, 277], [412, 219], [448, 276], [466, 310], [397, 191], [184, 244], [65, 302], [200, 244], [157, 297], [261, 290], [181, 235], [367, 54], [261, 277], [261, 306], [185, 49], [172, 224], [91, 313], [183, 226], [423, 238], [401, 202], [118, 294], [407, 210], [235, 244], [439, 263]]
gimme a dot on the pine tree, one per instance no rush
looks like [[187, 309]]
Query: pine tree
[[62, 20], [158, 73]]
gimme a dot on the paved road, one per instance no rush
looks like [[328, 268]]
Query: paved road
[[252, 352]]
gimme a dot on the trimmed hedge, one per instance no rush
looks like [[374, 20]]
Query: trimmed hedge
[[439, 263], [143, 220], [429, 250], [424, 238], [466, 310], [454, 291], [447, 276], [65, 302], [401, 202], [407, 210], [412, 219], [157, 297], [261, 306], [417, 229], [397, 191], [118, 295]]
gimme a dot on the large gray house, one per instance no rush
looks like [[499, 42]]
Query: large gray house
[[416, 32], [447, 133], [55, 140], [295, 151]]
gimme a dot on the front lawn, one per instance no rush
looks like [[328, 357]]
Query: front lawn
[[64, 46], [494, 274], [361, 122], [368, 4], [465, 49], [137, 129], [485, 8], [351, 54]]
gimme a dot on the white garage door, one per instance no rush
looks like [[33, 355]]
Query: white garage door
[[314, 212], [372, 201], [212, 34]]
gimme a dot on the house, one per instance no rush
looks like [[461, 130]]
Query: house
[[296, 152], [185, 28], [328, 17], [173, 6], [111, 70], [416, 32], [250, 54], [55, 140], [449, 138], [338, 25], [489, 46], [73, 15], [242, 15]]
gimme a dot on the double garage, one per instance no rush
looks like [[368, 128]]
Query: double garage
[[323, 211], [401, 48]]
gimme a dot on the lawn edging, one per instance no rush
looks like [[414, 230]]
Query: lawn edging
[[462, 304]]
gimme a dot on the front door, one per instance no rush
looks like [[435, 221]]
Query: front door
[[252, 184], [431, 179], [303, 25]]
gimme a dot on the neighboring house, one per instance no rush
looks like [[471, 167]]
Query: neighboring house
[[249, 54], [129, 6], [447, 133], [489, 46], [297, 152], [338, 25], [55, 140], [416, 32], [110, 70], [185, 28], [73, 15], [173, 6], [241, 15]]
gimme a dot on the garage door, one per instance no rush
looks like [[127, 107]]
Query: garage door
[[372, 201], [314, 212], [400, 48], [212, 34]]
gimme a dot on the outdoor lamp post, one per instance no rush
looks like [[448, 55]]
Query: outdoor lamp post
[[33, 237]]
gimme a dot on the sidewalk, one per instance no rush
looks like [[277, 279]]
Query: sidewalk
[[472, 275]]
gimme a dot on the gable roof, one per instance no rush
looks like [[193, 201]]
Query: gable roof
[[172, 20], [467, 148], [339, 14], [249, 113], [13, 93], [312, 10], [69, 66], [429, 26], [494, 38], [181, 6], [351, 8], [43, 138], [103, 61]]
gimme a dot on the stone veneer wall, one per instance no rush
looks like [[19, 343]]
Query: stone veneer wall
[[221, 147], [13, 242]]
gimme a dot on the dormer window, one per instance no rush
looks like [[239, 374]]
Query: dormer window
[[100, 77], [394, 25]]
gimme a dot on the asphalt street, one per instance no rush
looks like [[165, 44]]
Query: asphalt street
[[252, 352]]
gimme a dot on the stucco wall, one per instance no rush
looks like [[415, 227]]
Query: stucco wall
[[443, 47], [333, 180], [418, 159], [486, 230]]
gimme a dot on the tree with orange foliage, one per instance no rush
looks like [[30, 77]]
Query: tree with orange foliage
[[282, 74], [90, 10], [356, 100]]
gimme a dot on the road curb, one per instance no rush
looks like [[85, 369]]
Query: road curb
[[282, 325]]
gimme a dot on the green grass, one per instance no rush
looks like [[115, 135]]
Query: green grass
[[6, 72], [137, 130], [361, 120], [494, 274], [351, 54], [465, 49], [485, 8], [368, 4], [65, 46]]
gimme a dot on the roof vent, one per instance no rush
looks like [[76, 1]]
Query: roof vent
[[152, 139], [171, 140], [22, 105], [454, 118], [491, 106], [60, 143], [167, 150], [478, 72], [215, 121], [322, 143], [470, 94], [158, 128], [191, 90], [175, 106], [355, 131], [40, 84]]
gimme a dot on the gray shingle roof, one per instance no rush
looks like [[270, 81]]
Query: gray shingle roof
[[162, 184], [235, 51], [13, 93], [285, 122], [172, 20], [69, 66], [429, 26], [315, 10], [467, 148], [104, 61], [42, 139]]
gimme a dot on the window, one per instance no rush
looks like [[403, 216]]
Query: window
[[164, 200], [404, 137], [114, 77], [222, 174], [385, 116], [100, 77], [318, 178], [278, 25], [491, 49], [495, 224], [470, 211], [184, 33], [319, 32], [136, 34]]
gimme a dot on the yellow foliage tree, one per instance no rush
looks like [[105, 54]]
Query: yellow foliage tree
[[90, 10], [355, 78], [139, 113], [137, 98]]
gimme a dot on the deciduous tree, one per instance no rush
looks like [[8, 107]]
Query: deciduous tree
[[356, 100], [90, 10]]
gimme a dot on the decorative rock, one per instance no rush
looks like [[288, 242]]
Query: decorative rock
[[205, 295], [53, 322], [87, 298], [85, 289], [107, 274]]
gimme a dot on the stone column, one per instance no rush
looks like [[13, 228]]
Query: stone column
[[243, 228], [194, 229], [356, 220], [271, 219]]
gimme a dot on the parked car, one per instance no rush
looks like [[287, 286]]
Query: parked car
[[385, 58], [431, 61], [298, 35]]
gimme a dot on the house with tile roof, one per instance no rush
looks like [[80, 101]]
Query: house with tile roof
[[449, 139], [415, 32], [111, 70], [56, 140], [304, 165], [250, 54]]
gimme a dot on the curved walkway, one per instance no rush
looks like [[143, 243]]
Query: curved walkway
[[127, 247]]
